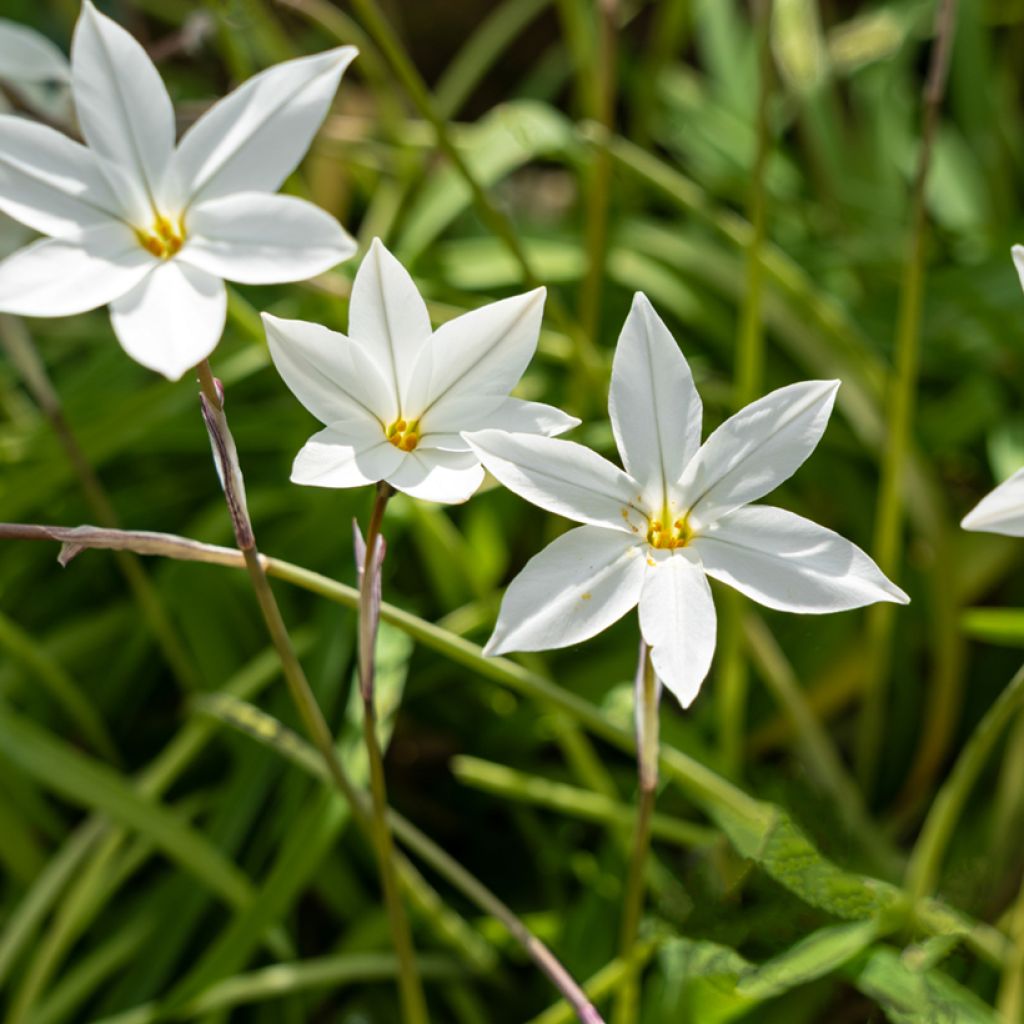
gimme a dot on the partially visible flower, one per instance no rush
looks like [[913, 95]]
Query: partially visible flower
[[1001, 510], [679, 513], [37, 71], [152, 228], [395, 395]]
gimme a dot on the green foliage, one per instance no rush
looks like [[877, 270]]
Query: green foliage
[[169, 848]]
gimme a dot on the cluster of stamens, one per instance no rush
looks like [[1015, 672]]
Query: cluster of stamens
[[677, 535], [404, 435], [164, 239]]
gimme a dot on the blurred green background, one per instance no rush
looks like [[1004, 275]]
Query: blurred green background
[[106, 739]]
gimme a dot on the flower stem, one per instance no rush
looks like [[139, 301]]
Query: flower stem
[[889, 517], [414, 1004], [926, 859], [733, 673], [226, 459], [647, 694]]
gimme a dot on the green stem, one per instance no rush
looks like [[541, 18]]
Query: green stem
[[889, 517], [1010, 1002], [647, 693], [414, 1005], [733, 675], [20, 349], [599, 190], [926, 859]]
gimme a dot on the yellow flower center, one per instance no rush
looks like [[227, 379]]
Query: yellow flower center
[[677, 535], [164, 239], [404, 435]]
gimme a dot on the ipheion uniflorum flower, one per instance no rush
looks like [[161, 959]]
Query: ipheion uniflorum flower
[[153, 228], [679, 513], [395, 395]]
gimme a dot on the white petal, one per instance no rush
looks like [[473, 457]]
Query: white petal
[[50, 182], [327, 373], [509, 414], [251, 140], [172, 320], [654, 406], [784, 561], [1018, 261], [388, 319], [577, 586], [677, 620], [352, 453], [255, 238], [1000, 511], [755, 450], [123, 108], [562, 477], [54, 277], [482, 353], [28, 56], [433, 475]]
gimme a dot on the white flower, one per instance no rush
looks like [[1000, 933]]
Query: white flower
[[395, 396], [152, 228], [678, 514], [1000, 511]]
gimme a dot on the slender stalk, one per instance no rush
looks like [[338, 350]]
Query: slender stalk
[[18, 345], [226, 459], [414, 1003], [733, 674], [647, 696], [889, 516], [926, 859], [599, 191]]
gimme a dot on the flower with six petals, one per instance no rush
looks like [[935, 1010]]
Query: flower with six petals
[[395, 396], [679, 513], [153, 228]]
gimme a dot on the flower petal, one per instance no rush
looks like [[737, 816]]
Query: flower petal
[[123, 108], [54, 277], [1001, 510], [562, 477], [350, 453], [327, 373], [482, 353], [755, 450], [253, 138], [784, 561], [434, 475], [576, 587], [172, 320], [28, 56], [49, 182], [513, 415], [255, 238], [388, 318], [677, 620], [654, 407]]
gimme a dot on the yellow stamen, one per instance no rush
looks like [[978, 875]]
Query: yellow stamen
[[404, 436], [164, 239], [678, 535]]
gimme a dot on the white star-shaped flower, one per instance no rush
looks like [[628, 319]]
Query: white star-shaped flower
[[395, 395], [679, 513], [152, 228]]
